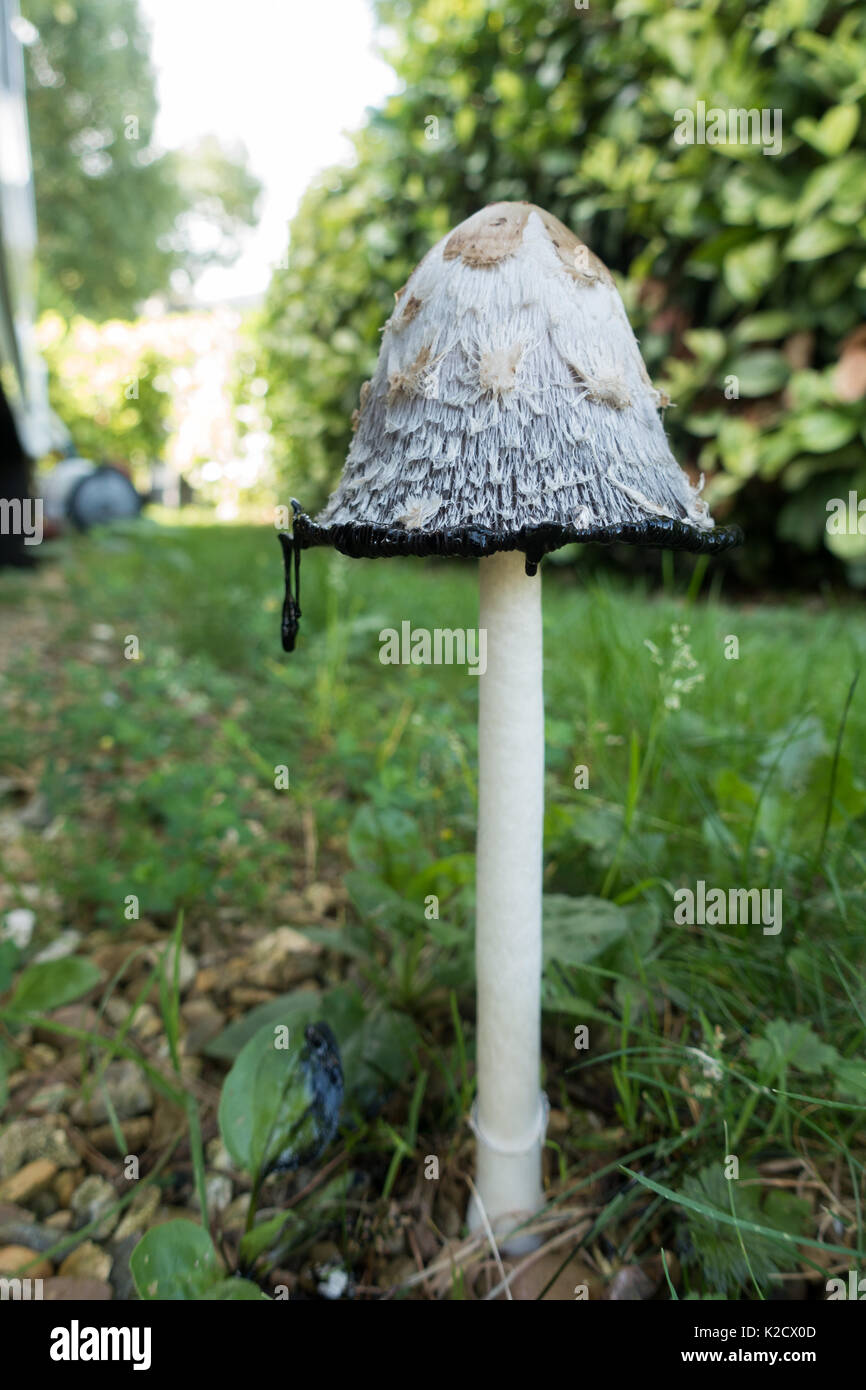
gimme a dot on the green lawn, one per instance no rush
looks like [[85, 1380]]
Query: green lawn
[[706, 1042]]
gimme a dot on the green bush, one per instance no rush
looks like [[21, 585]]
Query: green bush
[[732, 263]]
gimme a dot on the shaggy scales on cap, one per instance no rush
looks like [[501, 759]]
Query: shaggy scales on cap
[[510, 410]]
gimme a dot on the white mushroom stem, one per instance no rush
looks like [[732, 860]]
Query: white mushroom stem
[[510, 1111]]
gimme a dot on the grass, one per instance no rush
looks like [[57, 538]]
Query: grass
[[714, 1051]]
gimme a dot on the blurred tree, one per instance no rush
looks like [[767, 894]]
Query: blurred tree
[[219, 194], [744, 272], [113, 393], [117, 217]]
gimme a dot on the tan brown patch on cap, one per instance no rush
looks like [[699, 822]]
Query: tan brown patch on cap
[[496, 232], [607, 388], [407, 380], [356, 414], [489, 236], [413, 304], [582, 264]]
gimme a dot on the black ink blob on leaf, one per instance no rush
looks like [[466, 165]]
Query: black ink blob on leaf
[[321, 1075], [281, 1101]]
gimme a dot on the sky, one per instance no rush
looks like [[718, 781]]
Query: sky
[[286, 77]]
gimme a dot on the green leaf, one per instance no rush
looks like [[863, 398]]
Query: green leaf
[[174, 1261], [789, 751], [707, 344], [767, 326], [577, 930], [784, 1239], [376, 1056], [446, 874], [759, 373], [705, 426], [828, 774], [792, 1045], [733, 793], [44, 987], [833, 133], [264, 1235], [738, 444], [8, 963], [775, 450], [848, 545], [822, 431], [775, 210], [843, 176], [383, 840], [236, 1290], [850, 1079], [713, 251], [749, 269], [377, 903], [816, 240], [717, 1245], [342, 1008], [264, 1106]]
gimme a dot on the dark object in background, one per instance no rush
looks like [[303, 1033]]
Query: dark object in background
[[14, 485], [28, 426], [55, 488], [168, 488], [323, 1078], [105, 494], [79, 491]]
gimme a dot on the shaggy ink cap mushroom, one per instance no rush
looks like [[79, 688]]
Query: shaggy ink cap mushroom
[[510, 410]]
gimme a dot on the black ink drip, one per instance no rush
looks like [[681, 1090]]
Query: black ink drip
[[292, 602]]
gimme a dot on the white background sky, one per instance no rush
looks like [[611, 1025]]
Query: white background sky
[[287, 77]]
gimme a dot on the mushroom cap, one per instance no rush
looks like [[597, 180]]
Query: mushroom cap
[[510, 409]]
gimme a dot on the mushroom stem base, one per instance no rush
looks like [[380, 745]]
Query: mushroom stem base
[[505, 1177]]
